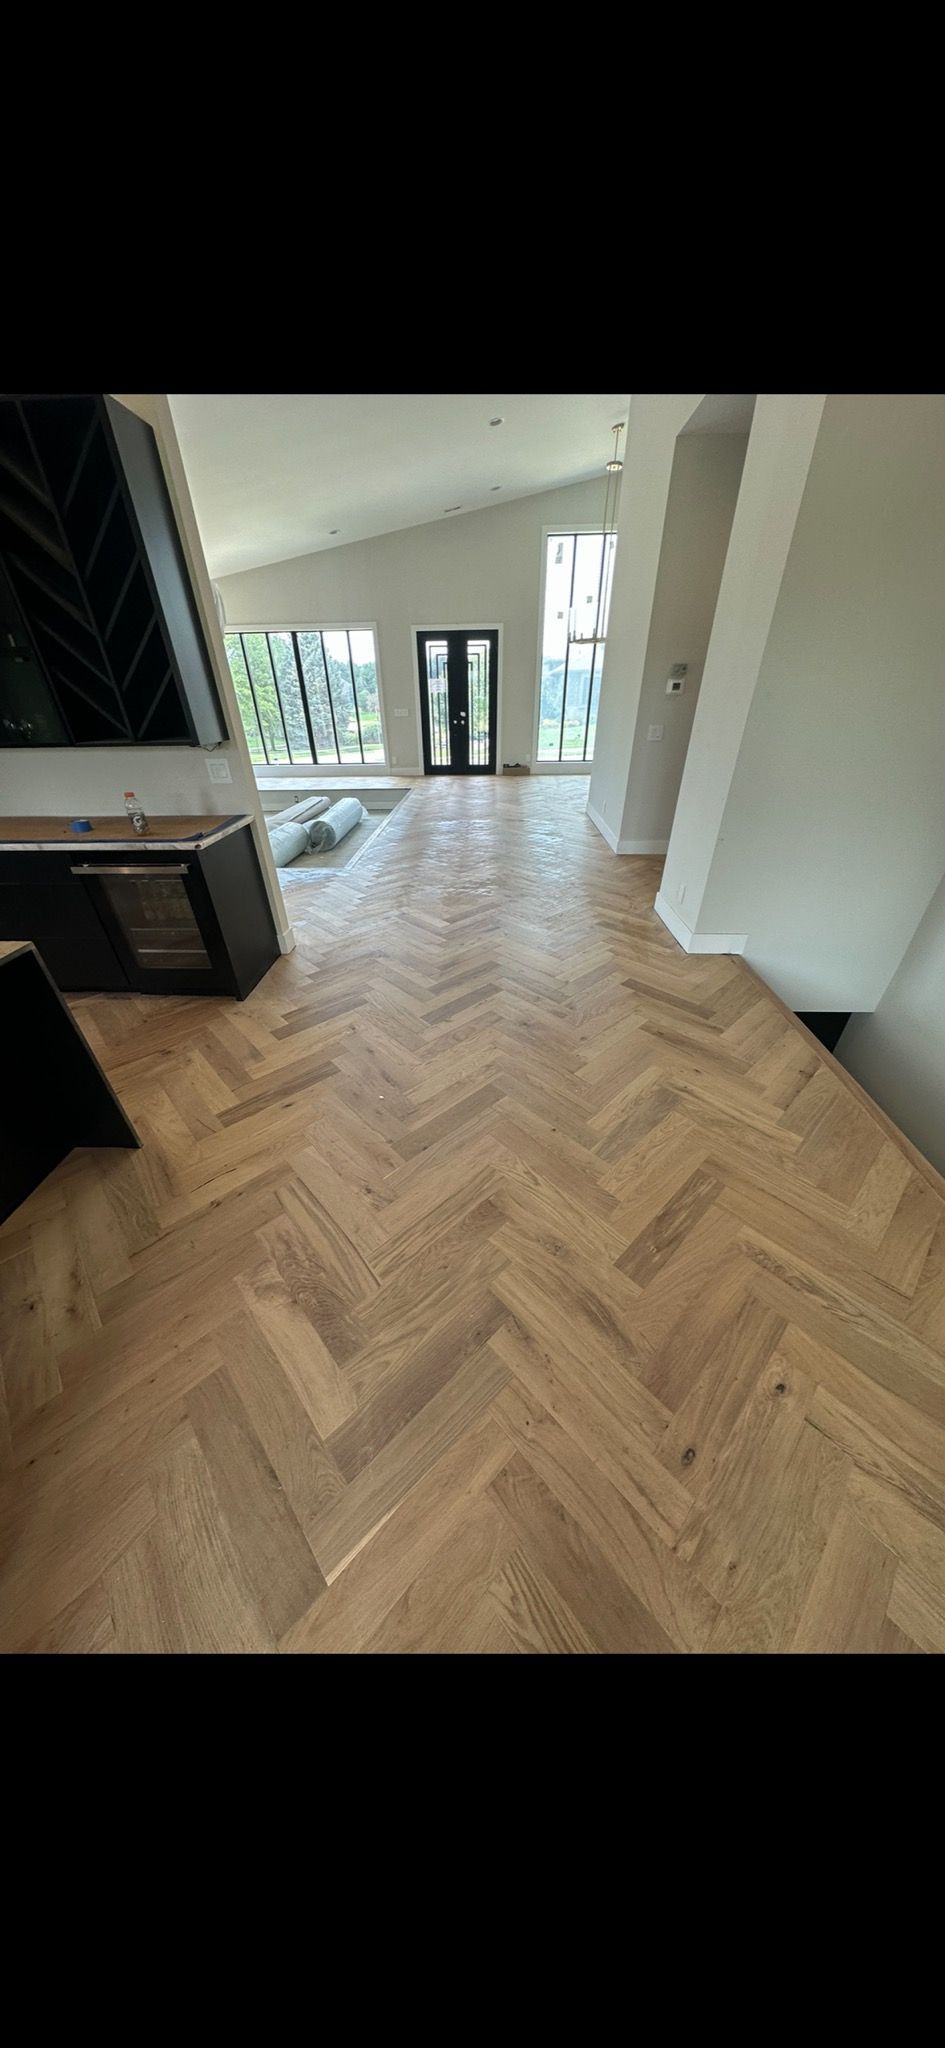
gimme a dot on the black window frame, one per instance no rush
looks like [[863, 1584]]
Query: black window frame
[[291, 633]]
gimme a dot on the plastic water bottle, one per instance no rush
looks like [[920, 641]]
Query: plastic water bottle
[[139, 823]]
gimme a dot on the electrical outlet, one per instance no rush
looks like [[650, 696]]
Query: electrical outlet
[[218, 769], [393, 760], [654, 732], [399, 711]]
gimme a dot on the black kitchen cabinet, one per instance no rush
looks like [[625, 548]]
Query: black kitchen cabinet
[[103, 640], [29, 714], [39, 901], [154, 919], [56, 1095]]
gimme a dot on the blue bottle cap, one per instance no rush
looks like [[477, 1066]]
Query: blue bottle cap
[[81, 825]]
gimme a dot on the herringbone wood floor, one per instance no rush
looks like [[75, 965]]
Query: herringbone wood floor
[[496, 1278]]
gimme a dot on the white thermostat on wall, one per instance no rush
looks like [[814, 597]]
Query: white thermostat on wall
[[676, 681]]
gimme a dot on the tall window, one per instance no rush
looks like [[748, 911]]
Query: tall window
[[579, 570], [310, 695]]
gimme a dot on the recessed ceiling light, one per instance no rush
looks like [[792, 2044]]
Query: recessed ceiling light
[[452, 508], [499, 420]]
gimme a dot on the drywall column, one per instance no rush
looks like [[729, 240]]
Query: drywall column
[[832, 841], [654, 422], [780, 447], [898, 1052], [244, 796], [703, 493]]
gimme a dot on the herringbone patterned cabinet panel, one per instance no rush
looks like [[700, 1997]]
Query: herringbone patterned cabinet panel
[[496, 1278]]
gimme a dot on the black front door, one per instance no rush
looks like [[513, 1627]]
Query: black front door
[[459, 682]]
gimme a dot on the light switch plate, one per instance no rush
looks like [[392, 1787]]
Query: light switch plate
[[218, 769], [655, 732], [399, 711]]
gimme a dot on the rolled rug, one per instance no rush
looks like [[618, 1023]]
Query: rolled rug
[[287, 842], [342, 818]]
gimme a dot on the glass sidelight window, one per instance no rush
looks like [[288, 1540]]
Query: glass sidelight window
[[310, 695], [578, 575], [438, 703]]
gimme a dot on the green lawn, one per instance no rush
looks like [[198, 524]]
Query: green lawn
[[573, 748]]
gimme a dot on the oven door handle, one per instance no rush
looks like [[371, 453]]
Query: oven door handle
[[152, 868]]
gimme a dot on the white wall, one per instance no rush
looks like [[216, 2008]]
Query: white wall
[[703, 489], [833, 835], [479, 569], [654, 421], [82, 781], [898, 1053], [780, 445]]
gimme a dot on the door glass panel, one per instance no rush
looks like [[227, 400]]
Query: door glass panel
[[438, 704], [477, 654], [157, 920]]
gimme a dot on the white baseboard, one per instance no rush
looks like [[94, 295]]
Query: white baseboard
[[287, 940], [624, 845], [698, 942], [603, 828]]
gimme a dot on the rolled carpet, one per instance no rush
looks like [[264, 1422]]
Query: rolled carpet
[[288, 841], [336, 824]]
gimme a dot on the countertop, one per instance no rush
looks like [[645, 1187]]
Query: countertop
[[51, 835]]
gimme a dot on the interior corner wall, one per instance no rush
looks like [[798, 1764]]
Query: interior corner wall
[[703, 491], [82, 781], [897, 1053], [479, 569], [654, 421], [833, 836], [781, 443]]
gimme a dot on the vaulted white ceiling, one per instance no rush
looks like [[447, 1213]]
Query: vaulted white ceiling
[[272, 475]]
